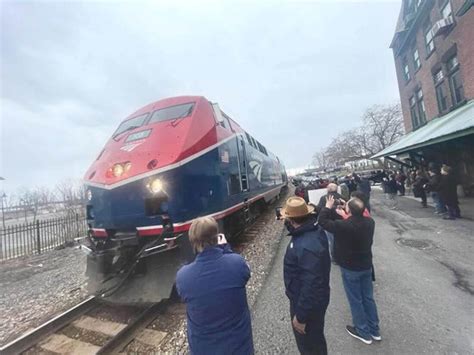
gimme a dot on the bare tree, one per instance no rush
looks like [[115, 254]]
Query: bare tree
[[320, 159], [382, 125], [30, 200]]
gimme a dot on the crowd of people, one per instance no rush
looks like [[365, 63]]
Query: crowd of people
[[437, 182], [339, 229]]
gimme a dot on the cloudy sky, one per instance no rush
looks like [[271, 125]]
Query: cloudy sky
[[293, 74]]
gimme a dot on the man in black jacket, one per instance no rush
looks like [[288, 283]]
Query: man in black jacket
[[306, 275], [353, 239]]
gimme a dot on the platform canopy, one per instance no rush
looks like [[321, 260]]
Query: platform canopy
[[455, 124]]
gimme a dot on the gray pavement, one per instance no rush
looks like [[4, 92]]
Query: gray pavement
[[424, 289]]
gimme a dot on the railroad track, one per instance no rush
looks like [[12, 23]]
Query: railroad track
[[84, 329], [93, 327]]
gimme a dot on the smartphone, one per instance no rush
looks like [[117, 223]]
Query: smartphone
[[278, 213]]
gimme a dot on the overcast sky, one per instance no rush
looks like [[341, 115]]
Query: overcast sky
[[293, 74]]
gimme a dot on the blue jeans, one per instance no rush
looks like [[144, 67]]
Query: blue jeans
[[360, 294], [439, 205]]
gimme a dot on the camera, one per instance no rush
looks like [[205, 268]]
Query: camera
[[278, 213]]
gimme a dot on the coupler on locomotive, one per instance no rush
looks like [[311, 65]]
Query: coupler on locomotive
[[131, 269]]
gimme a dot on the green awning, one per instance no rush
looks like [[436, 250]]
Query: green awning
[[465, 7], [457, 123]]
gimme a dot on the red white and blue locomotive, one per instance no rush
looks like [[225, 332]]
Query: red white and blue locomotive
[[166, 164]]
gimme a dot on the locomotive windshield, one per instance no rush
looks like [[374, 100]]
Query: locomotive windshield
[[171, 113], [132, 123]]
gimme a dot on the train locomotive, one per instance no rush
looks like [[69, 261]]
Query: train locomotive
[[169, 162]]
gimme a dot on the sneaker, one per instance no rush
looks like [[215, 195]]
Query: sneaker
[[447, 217], [353, 332], [376, 337]]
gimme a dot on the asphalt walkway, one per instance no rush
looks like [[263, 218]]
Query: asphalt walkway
[[424, 290]]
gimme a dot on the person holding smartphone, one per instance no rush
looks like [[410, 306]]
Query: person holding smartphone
[[213, 288]]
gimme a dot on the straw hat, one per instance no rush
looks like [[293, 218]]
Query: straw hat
[[296, 207]]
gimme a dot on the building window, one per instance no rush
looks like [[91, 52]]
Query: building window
[[453, 63], [457, 90], [455, 82], [429, 39], [421, 107], [416, 60], [441, 98], [446, 10], [406, 70], [440, 91], [413, 112], [438, 76]]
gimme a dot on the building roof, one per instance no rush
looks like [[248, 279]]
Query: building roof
[[457, 123]]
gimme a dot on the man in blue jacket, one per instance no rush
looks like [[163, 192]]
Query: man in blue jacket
[[213, 288], [306, 273]]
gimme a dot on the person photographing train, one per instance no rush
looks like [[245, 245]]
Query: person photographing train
[[306, 275], [213, 288]]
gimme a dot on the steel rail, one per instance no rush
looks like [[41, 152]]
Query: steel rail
[[127, 334], [34, 336]]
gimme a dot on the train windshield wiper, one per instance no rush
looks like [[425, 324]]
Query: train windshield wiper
[[125, 130]]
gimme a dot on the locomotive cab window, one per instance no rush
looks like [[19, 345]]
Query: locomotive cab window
[[172, 113], [130, 124]]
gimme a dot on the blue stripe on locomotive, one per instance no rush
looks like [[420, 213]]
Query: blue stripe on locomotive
[[205, 185]]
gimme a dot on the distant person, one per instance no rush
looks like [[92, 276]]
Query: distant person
[[213, 288], [400, 177], [353, 251], [363, 185], [419, 181], [306, 272], [344, 190], [331, 191], [392, 191], [433, 186], [448, 193]]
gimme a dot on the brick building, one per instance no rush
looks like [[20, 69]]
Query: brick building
[[433, 48]]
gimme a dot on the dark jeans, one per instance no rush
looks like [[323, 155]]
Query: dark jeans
[[423, 198], [401, 188], [439, 205], [313, 342], [454, 211], [360, 294]]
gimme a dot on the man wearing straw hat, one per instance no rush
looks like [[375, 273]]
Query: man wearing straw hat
[[306, 274]]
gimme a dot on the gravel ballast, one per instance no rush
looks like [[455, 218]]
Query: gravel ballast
[[34, 289]]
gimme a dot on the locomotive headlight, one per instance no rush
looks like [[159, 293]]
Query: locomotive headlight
[[89, 195], [117, 170], [155, 186]]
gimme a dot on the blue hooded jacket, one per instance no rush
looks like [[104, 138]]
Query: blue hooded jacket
[[213, 288], [306, 270]]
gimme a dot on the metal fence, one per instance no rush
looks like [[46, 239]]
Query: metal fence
[[35, 237]]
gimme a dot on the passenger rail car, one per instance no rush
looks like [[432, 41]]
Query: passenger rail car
[[168, 163]]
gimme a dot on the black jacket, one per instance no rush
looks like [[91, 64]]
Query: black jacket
[[306, 271], [433, 183], [447, 190], [353, 238], [322, 200]]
